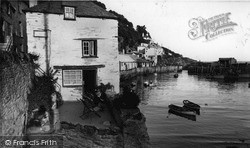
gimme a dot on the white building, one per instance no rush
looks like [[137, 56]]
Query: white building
[[77, 38], [150, 51], [127, 62]]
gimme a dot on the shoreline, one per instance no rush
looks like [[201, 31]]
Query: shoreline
[[129, 74]]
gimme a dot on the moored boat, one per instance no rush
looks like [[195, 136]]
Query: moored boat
[[191, 106], [182, 112], [146, 84], [180, 109]]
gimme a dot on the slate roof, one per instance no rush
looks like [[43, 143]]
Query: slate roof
[[131, 58], [83, 9]]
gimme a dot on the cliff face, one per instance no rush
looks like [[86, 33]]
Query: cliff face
[[172, 58], [134, 129]]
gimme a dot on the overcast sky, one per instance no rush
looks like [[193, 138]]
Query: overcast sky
[[168, 23]]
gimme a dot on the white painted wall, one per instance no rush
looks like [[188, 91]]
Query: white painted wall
[[66, 47], [127, 62], [153, 51]]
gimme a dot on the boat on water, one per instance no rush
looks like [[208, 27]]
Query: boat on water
[[188, 105], [182, 112], [176, 75], [146, 84], [149, 84], [180, 109]]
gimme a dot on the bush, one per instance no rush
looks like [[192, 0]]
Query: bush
[[43, 88]]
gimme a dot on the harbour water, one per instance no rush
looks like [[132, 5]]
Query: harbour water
[[224, 119]]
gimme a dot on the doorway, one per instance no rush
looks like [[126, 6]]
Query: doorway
[[89, 78]]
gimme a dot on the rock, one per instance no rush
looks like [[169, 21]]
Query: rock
[[90, 137]]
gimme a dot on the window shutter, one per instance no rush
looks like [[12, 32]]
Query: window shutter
[[91, 51], [95, 48]]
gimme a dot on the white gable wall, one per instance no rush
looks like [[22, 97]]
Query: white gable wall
[[66, 44]]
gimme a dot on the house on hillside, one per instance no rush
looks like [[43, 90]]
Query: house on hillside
[[129, 61], [13, 27], [77, 38], [150, 51]]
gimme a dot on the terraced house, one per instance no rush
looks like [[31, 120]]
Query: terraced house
[[79, 39]]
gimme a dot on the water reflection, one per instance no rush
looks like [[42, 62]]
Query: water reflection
[[224, 110], [168, 88]]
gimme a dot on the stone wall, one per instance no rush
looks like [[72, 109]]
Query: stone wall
[[134, 129], [79, 136], [133, 125], [124, 75], [15, 82]]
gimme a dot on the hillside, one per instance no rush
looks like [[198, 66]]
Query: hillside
[[129, 37], [172, 58]]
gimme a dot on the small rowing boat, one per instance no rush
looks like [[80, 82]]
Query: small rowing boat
[[191, 106], [182, 112]]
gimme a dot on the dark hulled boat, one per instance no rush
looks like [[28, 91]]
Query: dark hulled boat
[[191, 106], [176, 75], [182, 112]]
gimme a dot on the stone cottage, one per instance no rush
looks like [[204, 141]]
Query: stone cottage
[[77, 38]]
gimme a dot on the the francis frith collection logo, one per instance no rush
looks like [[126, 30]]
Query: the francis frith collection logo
[[212, 27]]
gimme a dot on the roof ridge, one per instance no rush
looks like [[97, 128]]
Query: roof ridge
[[84, 9]]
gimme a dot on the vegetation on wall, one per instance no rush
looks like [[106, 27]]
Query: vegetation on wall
[[12, 57], [172, 58], [128, 36], [42, 90]]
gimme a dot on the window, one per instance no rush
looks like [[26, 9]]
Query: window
[[72, 77], [89, 49], [69, 13]]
